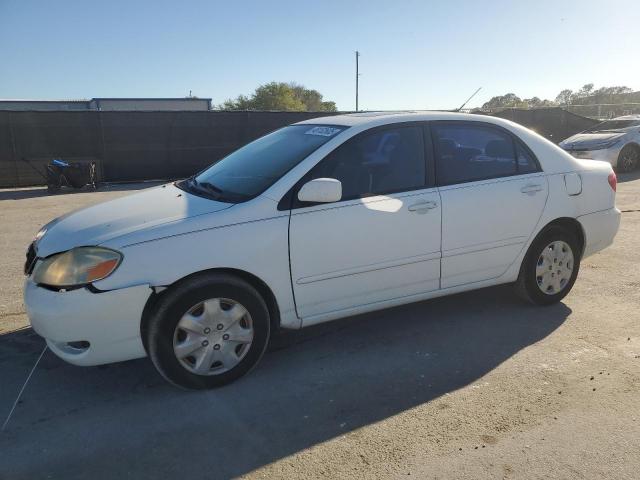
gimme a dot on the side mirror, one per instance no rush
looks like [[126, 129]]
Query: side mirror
[[321, 190]]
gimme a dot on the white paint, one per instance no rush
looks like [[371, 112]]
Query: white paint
[[485, 225], [573, 183], [321, 190], [364, 251]]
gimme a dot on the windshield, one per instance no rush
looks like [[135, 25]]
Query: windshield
[[613, 125], [252, 169]]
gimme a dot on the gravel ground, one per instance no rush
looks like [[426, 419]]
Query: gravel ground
[[477, 385]]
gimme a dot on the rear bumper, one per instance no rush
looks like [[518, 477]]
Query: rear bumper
[[109, 321], [600, 229]]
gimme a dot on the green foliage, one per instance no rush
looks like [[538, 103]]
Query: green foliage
[[604, 95], [564, 97], [282, 96], [585, 96], [535, 102], [503, 101]]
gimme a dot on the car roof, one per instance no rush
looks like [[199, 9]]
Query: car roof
[[628, 117], [381, 118]]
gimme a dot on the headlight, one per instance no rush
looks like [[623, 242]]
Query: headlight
[[607, 144], [77, 267]]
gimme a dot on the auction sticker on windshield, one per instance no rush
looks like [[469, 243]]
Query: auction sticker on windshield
[[323, 131]]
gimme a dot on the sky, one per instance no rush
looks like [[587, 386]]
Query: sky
[[414, 54]]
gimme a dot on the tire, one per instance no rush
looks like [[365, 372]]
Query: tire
[[545, 289], [628, 159], [210, 301]]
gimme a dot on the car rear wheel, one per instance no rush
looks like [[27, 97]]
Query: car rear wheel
[[208, 331], [628, 159], [550, 267]]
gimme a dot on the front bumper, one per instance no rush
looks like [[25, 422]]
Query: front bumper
[[600, 228], [609, 155], [109, 321]]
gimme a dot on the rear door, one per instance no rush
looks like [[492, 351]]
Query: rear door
[[382, 239], [493, 194]]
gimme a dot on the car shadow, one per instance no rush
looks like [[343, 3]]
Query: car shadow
[[36, 192], [312, 386], [628, 177]]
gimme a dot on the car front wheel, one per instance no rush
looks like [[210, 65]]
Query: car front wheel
[[550, 267], [208, 331]]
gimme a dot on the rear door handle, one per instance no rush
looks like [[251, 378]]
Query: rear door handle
[[531, 189], [423, 207]]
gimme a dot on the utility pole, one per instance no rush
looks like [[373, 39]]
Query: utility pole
[[357, 75]]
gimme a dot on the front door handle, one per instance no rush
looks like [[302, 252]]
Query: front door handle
[[531, 189], [423, 207]]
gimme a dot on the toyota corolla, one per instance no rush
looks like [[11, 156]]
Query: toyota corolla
[[319, 220]]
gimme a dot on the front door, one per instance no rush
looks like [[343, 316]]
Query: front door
[[382, 240]]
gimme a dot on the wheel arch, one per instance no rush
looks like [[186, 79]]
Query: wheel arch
[[570, 224], [263, 289], [633, 144]]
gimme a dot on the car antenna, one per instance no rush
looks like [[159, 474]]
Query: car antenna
[[468, 99]]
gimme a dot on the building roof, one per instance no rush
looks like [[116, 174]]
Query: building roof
[[150, 98], [35, 100], [80, 100]]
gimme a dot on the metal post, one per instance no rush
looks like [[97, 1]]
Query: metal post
[[14, 151], [103, 160], [357, 75]]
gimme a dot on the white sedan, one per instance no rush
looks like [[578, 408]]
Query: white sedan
[[616, 141], [316, 221]]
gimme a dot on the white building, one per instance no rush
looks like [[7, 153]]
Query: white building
[[110, 104]]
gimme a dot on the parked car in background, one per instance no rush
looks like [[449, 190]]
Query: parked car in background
[[319, 220], [616, 141]]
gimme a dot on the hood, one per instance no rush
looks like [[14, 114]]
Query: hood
[[586, 140], [143, 210]]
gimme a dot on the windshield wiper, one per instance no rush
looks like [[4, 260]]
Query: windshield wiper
[[208, 186], [211, 191], [205, 187]]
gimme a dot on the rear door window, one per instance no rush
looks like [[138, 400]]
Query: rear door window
[[467, 153]]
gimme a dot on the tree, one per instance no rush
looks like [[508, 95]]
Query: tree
[[240, 103], [585, 96], [565, 97], [281, 96], [585, 91], [503, 101], [535, 102]]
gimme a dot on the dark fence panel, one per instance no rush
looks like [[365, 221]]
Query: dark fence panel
[[554, 124], [8, 171], [37, 137], [130, 146]]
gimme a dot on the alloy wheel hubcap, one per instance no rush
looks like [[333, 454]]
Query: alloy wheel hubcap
[[629, 160], [554, 267], [213, 336]]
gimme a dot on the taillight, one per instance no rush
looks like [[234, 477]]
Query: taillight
[[613, 181]]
